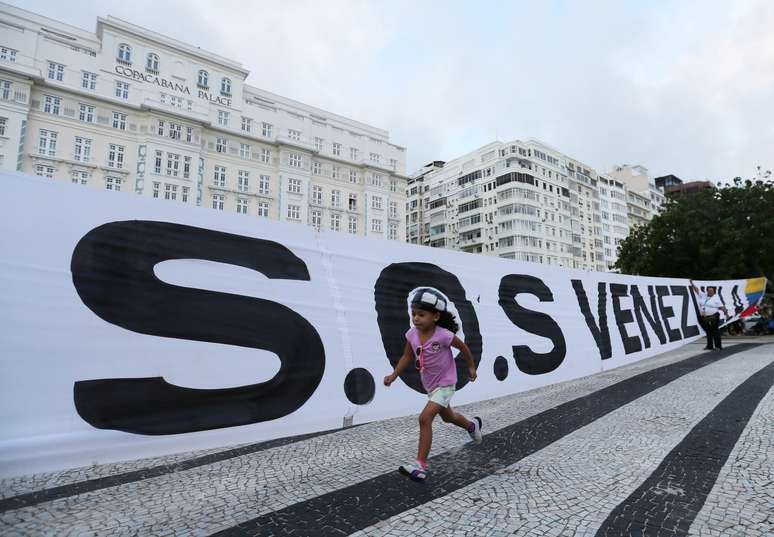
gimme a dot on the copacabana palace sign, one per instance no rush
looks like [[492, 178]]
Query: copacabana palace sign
[[139, 76]]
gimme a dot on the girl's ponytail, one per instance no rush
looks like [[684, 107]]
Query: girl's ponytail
[[448, 321]]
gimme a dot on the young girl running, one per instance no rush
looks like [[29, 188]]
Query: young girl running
[[429, 342]]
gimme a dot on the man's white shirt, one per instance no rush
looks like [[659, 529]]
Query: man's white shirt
[[709, 305]]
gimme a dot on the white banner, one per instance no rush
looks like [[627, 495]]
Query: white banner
[[133, 327]]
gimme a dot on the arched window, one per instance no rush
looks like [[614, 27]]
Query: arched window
[[225, 86], [204, 79], [152, 64], [125, 53]]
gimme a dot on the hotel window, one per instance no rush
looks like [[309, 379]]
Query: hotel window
[[55, 71], [203, 79], [294, 212], [88, 80], [122, 90], [156, 186], [113, 183], [5, 89], [353, 153], [376, 202], [80, 178], [243, 181], [184, 195], [374, 157], [51, 104], [376, 225], [247, 124], [3, 125], [175, 131], [157, 162], [223, 118], [294, 186], [335, 198], [116, 156], [187, 167], [160, 129], [393, 233], [241, 206], [266, 155], [217, 201], [352, 202], [376, 179], [316, 168], [393, 185], [152, 63], [8, 54], [244, 151], [393, 209], [170, 192], [336, 222], [294, 160], [119, 121], [124, 53], [82, 149], [266, 129], [44, 171], [318, 143], [177, 102], [352, 176], [334, 172], [189, 134], [393, 163], [293, 134], [225, 87], [316, 219], [173, 164], [336, 149], [86, 113], [47, 143], [263, 184], [219, 178], [317, 193], [263, 208], [353, 225], [220, 145]]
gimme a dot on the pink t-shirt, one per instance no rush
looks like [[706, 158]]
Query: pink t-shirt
[[437, 358]]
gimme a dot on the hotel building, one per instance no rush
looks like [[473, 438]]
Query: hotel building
[[130, 110]]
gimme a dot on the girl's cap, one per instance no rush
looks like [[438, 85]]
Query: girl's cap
[[428, 300]]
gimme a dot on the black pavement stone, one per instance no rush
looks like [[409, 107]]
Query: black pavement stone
[[685, 477], [364, 504]]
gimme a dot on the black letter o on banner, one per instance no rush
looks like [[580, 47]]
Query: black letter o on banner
[[391, 293], [112, 268]]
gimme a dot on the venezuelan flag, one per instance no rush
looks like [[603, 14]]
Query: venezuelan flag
[[754, 288]]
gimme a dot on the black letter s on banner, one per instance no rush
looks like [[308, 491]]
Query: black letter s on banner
[[112, 268], [534, 322]]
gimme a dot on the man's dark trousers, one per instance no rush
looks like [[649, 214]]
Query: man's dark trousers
[[711, 325]]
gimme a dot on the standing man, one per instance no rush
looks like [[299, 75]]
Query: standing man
[[710, 307]]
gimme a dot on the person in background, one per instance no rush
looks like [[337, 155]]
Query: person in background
[[710, 307]]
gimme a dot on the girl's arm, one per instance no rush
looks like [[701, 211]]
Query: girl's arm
[[404, 361], [457, 343]]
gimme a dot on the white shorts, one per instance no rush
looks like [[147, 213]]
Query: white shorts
[[442, 395]]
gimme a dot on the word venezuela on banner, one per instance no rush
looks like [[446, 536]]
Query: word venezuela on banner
[[134, 327]]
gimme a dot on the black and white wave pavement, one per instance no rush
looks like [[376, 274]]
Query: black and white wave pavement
[[681, 444]]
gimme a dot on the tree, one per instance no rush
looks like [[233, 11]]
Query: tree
[[723, 233]]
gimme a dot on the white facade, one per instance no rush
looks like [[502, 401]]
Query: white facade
[[516, 200], [614, 214], [130, 110], [637, 179]]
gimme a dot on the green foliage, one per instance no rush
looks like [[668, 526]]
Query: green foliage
[[724, 233]]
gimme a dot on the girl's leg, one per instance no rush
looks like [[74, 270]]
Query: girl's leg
[[426, 430], [450, 416]]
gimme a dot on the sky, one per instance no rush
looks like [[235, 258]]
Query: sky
[[681, 87]]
